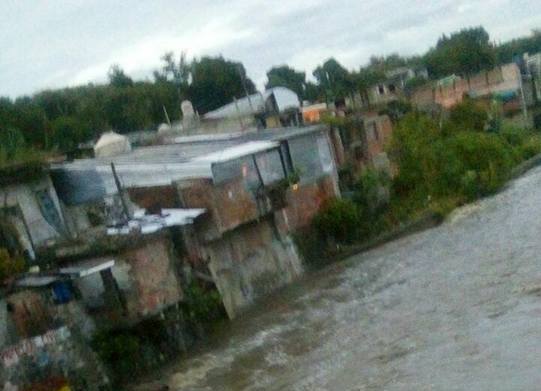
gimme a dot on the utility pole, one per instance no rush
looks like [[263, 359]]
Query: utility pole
[[166, 116], [523, 99], [243, 81], [121, 193], [238, 113]]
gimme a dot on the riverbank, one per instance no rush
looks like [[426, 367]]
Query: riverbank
[[429, 218], [424, 221], [461, 294]]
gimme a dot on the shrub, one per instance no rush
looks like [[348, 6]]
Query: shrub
[[530, 147], [339, 220], [442, 164], [201, 305], [10, 266], [120, 350], [515, 136], [470, 184], [370, 191], [467, 116], [487, 155], [412, 149]]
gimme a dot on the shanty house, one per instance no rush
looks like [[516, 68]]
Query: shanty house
[[249, 192]]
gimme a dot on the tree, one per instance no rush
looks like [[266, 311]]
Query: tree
[[216, 81], [117, 77], [509, 50], [26, 117], [66, 133], [11, 143], [467, 116], [365, 79], [387, 63], [313, 92], [177, 72], [335, 80], [466, 52], [284, 76]]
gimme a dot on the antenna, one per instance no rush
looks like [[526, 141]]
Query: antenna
[[120, 192], [243, 82], [166, 116]]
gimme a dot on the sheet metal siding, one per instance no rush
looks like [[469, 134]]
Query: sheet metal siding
[[89, 180], [77, 187]]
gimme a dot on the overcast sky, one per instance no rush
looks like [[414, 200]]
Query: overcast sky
[[54, 43]]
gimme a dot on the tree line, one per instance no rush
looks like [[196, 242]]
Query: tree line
[[60, 119]]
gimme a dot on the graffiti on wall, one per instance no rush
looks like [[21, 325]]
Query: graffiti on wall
[[30, 346]]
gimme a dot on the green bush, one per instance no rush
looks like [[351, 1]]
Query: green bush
[[368, 191], [10, 266], [412, 148], [458, 163], [469, 183], [530, 147], [467, 116], [339, 220], [120, 350], [200, 305], [514, 135], [486, 155]]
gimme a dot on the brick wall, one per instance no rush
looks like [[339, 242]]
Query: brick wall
[[153, 199], [152, 283], [303, 202], [504, 78], [228, 205]]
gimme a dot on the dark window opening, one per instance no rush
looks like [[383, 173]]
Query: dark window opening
[[49, 210]]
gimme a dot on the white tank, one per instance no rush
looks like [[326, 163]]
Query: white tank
[[111, 144], [164, 128]]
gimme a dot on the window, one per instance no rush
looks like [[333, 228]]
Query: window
[[49, 210], [381, 89], [243, 167], [325, 154], [270, 166], [305, 157]]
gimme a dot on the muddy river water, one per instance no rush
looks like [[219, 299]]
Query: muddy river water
[[456, 307]]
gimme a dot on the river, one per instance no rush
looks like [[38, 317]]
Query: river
[[456, 307]]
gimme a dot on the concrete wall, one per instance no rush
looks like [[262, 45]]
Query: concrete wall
[[245, 239], [40, 340], [147, 278], [35, 232], [251, 262], [29, 313], [228, 205], [154, 282], [153, 199], [303, 202], [58, 354], [504, 78]]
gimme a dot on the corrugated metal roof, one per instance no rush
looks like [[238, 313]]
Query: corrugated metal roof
[[253, 104], [88, 180], [87, 267]]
